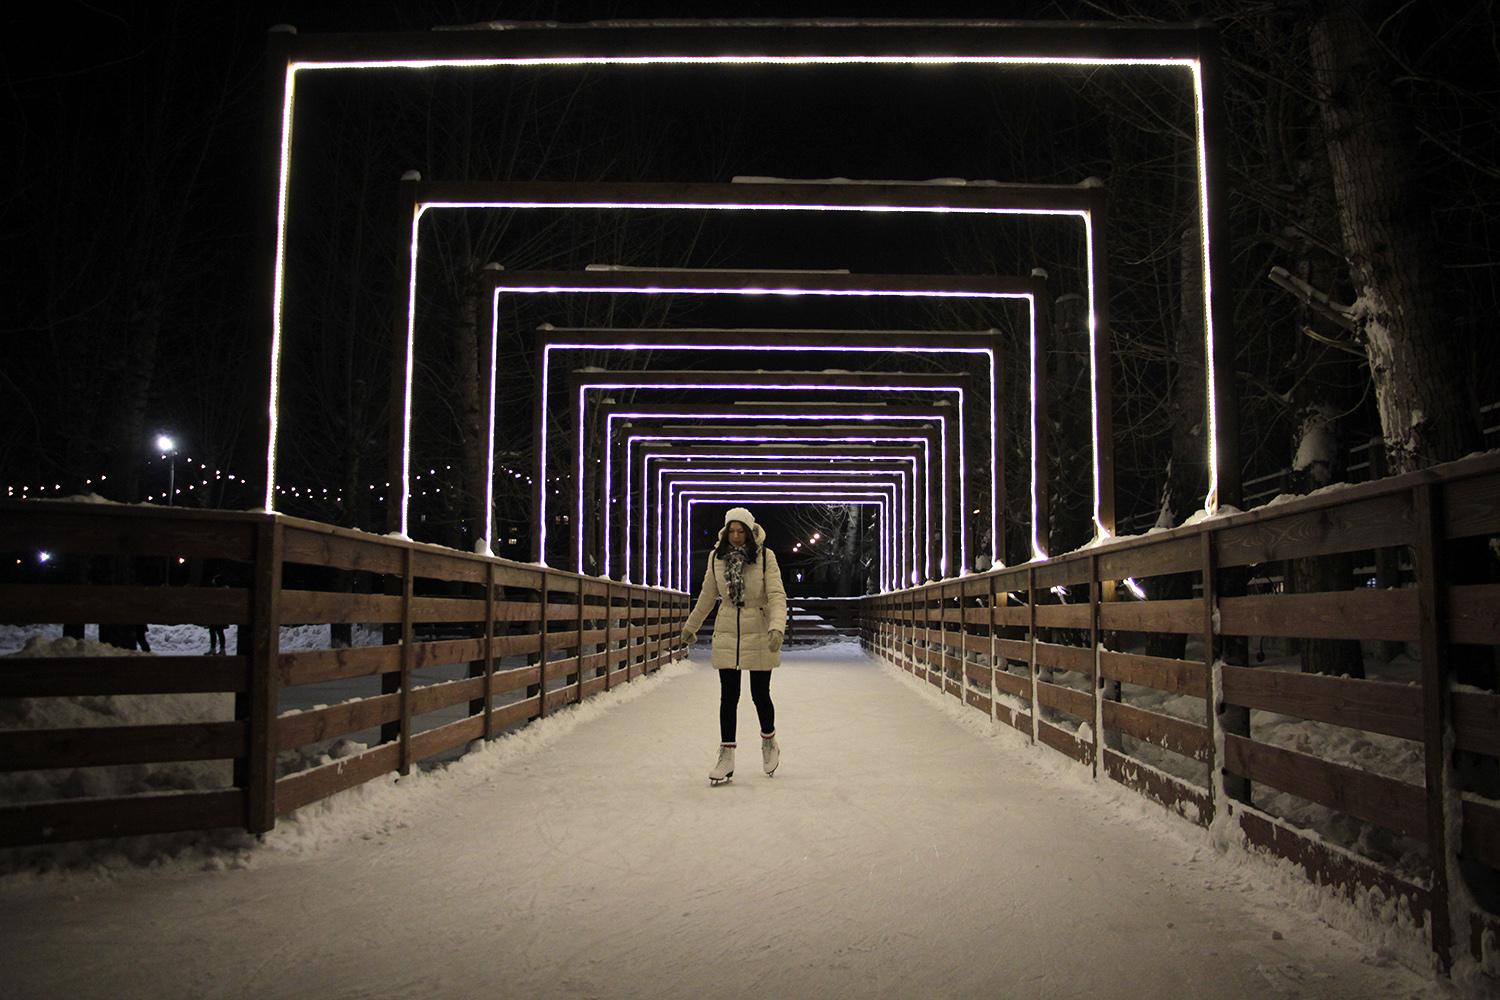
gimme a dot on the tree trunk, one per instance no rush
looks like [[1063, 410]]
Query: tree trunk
[[1319, 462], [1187, 473], [1425, 410]]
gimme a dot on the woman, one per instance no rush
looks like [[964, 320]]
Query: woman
[[742, 573]]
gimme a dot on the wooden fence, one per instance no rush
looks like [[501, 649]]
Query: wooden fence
[[1059, 650], [810, 619], [554, 639]]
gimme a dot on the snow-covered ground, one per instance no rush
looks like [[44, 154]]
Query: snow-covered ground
[[905, 848]]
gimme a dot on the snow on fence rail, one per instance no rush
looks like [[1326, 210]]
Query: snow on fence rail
[[556, 638], [1058, 650]]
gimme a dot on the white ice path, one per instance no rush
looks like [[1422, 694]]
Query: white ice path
[[895, 854]]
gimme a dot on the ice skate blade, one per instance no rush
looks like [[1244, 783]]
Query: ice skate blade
[[715, 782]]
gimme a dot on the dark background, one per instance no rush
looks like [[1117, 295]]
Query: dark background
[[134, 230]]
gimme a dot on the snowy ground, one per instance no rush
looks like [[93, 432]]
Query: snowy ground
[[904, 849]]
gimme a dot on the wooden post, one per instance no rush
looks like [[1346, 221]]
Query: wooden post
[[1220, 307], [396, 464], [995, 598], [1102, 362], [1095, 607], [543, 645], [609, 626], [1040, 527], [538, 550], [1432, 612], [580, 640], [629, 633], [1036, 709], [406, 657], [489, 649], [926, 633], [256, 774]]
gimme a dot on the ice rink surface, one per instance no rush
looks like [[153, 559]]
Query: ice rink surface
[[896, 854]]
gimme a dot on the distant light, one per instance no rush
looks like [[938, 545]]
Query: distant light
[[165, 444], [44, 557], [1134, 588], [181, 560]]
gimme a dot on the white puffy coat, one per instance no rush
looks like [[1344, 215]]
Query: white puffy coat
[[742, 635]]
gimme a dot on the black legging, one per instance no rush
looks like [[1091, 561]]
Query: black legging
[[729, 701]]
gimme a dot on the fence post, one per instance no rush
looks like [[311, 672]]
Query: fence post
[[994, 644], [1096, 604], [609, 625], [653, 632], [580, 640], [629, 634], [1210, 685], [1036, 709], [1432, 616], [406, 657], [541, 654], [258, 706], [489, 650], [926, 634]]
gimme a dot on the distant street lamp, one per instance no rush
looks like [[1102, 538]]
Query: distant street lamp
[[168, 447]]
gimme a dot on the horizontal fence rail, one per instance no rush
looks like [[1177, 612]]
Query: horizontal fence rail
[[465, 648], [1137, 659]]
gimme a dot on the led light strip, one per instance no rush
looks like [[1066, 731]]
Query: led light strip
[[963, 533], [889, 541], [294, 66], [678, 488], [992, 366], [708, 289], [762, 439], [823, 418], [783, 497], [699, 460]]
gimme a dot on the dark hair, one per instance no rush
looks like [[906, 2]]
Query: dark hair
[[751, 549]]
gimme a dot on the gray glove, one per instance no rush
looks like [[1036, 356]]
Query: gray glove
[[689, 637], [775, 642]]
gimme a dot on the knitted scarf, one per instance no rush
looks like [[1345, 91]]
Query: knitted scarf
[[734, 574]]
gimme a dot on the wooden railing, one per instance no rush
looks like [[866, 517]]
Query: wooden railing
[[555, 639], [840, 616], [1059, 649]]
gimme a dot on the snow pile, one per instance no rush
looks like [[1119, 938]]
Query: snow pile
[[98, 711], [392, 801], [376, 805]]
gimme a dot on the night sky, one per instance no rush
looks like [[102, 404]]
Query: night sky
[[139, 196]]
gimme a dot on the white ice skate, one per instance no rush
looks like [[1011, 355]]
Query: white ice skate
[[724, 769], [770, 753]]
